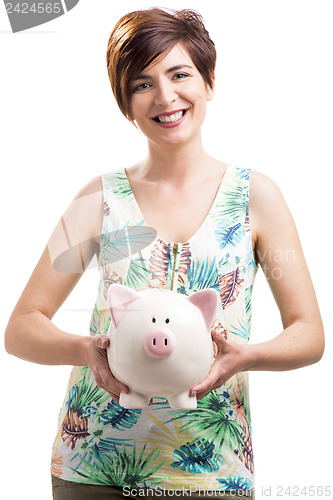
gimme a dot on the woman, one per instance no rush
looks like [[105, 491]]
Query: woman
[[179, 220]]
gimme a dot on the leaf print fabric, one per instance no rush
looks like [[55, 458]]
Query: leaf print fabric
[[230, 286], [98, 441]]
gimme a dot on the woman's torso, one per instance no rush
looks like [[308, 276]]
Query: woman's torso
[[210, 446]]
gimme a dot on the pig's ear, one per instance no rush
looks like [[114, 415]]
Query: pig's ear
[[119, 297], [206, 301]]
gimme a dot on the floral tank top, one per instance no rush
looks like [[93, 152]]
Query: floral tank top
[[98, 441]]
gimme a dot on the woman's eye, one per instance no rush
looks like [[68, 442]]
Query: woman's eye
[[180, 76], [141, 86]]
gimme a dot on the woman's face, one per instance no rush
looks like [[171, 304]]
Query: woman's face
[[169, 99]]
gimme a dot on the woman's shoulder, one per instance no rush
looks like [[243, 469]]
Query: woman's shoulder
[[84, 216], [93, 186], [263, 190], [266, 203]]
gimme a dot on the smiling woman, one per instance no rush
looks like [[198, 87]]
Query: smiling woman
[[139, 38], [178, 220], [166, 97]]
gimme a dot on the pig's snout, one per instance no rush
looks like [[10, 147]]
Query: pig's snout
[[159, 342]]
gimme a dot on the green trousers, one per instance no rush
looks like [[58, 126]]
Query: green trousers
[[67, 490]]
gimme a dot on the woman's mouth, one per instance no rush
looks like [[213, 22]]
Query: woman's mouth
[[171, 120]]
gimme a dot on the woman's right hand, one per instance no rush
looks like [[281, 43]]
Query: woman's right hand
[[96, 357]]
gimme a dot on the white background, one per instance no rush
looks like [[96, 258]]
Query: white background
[[60, 127]]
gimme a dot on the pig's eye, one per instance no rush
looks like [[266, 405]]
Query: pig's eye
[[154, 320], [167, 320]]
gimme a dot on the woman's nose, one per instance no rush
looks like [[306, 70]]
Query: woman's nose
[[164, 94]]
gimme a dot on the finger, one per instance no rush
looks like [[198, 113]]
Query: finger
[[208, 382], [108, 382], [218, 336], [101, 370], [220, 341], [102, 341], [113, 393], [202, 394], [114, 396]]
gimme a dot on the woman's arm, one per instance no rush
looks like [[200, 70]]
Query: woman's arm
[[279, 252], [30, 333]]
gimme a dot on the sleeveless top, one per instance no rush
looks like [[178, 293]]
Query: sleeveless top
[[98, 441]]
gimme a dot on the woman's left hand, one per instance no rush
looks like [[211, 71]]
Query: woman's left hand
[[230, 358]]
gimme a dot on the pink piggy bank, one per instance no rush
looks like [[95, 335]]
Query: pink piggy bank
[[160, 343]]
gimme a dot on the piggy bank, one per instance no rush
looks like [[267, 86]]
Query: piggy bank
[[160, 343]]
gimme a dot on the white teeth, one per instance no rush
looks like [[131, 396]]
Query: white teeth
[[171, 118]]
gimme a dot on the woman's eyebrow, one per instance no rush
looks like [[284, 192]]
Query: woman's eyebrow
[[170, 70]]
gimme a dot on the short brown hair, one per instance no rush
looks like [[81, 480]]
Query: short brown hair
[[141, 36]]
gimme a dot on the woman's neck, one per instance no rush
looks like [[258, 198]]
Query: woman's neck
[[175, 164]]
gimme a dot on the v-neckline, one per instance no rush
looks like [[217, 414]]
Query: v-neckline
[[138, 209]]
